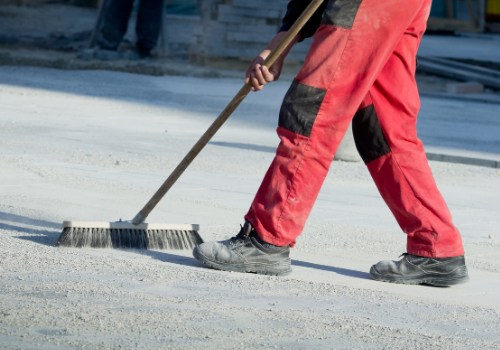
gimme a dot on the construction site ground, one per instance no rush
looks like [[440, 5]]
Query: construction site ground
[[92, 140]]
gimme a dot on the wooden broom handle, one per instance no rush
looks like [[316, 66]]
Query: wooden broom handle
[[225, 114]]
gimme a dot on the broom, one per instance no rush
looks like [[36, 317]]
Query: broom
[[140, 235]]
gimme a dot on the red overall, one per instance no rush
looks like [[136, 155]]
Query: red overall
[[360, 69]]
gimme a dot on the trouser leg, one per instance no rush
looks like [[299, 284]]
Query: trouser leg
[[385, 131], [148, 24], [349, 50], [116, 14]]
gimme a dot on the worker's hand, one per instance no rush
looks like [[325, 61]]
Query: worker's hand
[[257, 74]]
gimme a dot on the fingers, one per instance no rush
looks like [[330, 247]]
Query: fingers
[[259, 76]]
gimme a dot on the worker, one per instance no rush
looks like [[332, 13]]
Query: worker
[[360, 69], [115, 15]]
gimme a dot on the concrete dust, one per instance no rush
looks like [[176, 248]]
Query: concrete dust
[[94, 145]]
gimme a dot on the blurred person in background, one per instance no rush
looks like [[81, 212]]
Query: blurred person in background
[[113, 22]]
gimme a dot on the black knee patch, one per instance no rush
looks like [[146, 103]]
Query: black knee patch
[[300, 108], [341, 13], [368, 136]]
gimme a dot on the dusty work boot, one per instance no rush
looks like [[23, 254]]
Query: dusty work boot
[[412, 269], [245, 252]]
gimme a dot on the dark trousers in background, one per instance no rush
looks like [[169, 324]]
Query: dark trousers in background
[[115, 18]]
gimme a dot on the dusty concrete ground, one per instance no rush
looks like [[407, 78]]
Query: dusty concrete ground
[[89, 145]]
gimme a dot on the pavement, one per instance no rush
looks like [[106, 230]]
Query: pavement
[[89, 140], [481, 47], [93, 145]]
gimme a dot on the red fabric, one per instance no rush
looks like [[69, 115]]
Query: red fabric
[[371, 63]]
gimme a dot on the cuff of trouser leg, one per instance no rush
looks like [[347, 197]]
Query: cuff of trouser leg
[[433, 253], [446, 244], [266, 236]]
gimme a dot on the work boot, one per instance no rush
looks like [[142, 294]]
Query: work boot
[[412, 269], [245, 252]]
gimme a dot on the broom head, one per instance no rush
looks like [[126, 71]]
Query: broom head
[[124, 234]]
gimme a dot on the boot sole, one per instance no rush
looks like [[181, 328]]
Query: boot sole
[[258, 268], [429, 280]]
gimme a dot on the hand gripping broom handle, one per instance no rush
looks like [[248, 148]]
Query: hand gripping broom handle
[[224, 115]]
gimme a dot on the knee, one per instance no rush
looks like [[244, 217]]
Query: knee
[[368, 135], [300, 108]]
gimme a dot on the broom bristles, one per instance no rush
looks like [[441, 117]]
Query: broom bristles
[[122, 234]]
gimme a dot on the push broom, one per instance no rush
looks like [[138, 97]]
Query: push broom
[[137, 233]]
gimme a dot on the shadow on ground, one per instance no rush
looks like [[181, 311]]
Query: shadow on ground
[[172, 258], [189, 261], [338, 270], [36, 230]]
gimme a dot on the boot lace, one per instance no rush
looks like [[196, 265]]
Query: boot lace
[[242, 235]]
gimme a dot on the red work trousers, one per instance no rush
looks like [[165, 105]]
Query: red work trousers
[[360, 69]]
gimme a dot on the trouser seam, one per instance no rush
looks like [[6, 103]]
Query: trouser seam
[[292, 180]]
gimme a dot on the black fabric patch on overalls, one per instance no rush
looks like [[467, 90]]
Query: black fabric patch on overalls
[[300, 108], [340, 13], [368, 135]]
